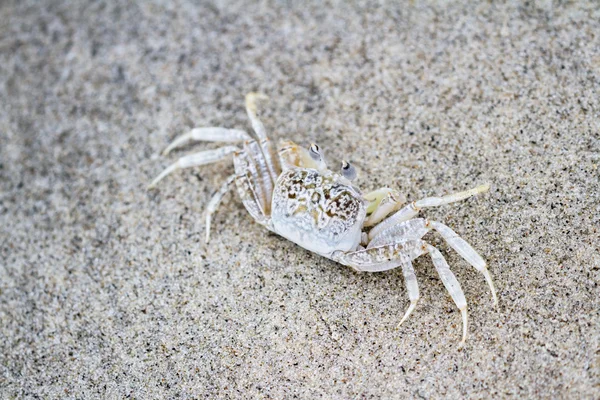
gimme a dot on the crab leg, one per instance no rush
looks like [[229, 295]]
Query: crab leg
[[402, 215], [410, 211], [412, 287], [411, 229], [261, 134], [381, 258], [389, 256], [413, 250], [250, 163], [250, 181], [264, 184], [251, 109], [452, 285], [194, 160], [250, 199], [211, 134], [467, 252], [215, 201], [418, 227]]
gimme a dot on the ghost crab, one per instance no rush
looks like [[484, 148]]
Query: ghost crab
[[294, 194]]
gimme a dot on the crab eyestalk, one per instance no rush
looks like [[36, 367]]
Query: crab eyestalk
[[317, 156], [348, 171]]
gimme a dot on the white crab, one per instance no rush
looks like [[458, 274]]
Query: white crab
[[295, 195]]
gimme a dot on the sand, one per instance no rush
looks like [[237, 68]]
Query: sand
[[108, 290]]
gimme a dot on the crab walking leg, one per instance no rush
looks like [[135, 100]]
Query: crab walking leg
[[264, 183], [408, 271], [194, 160], [249, 198], [412, 287], [418, 227], [261, 133], [381, 258], [215, 201], [248, 163], [467, 252], [271, 159], [249, 186], [402, 215], [410, 211], [251, 109], [451, 284], [382, 202], [412, 229], [211, 134], [389, 256]]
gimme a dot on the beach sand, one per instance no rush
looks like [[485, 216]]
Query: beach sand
[[108, 290]]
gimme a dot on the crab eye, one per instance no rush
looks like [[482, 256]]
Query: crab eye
[[348, 171], [314, 152]]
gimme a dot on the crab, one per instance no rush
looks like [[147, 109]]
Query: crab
[[294, 194]]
